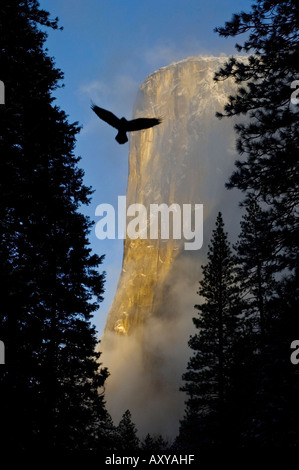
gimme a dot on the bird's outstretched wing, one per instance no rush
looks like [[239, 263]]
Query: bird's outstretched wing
[[106, 116], [142, 123]]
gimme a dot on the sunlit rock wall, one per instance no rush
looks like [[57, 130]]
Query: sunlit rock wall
[[186, 159]]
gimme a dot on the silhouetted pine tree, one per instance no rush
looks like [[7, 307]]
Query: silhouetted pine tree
[[269, 174], [147, 443], [208, 383], [127, 434], [154, 444], [269, 139], [254, 265], [106, 439], [255, 250], [266, 377], [49, 278]]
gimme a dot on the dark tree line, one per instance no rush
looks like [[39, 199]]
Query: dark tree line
[[253, 400], [52, 385], [49, 277], [208, 381]]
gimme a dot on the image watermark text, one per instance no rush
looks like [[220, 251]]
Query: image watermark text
[[295, 94], [295, 353], [2, 93], [2, 353], [153, 223]]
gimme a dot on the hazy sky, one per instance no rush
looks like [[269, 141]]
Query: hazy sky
[[106, 50]]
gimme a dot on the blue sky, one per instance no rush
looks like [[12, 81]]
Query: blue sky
[[106, 50]]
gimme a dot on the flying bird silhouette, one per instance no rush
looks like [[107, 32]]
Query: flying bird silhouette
[[122, 125]]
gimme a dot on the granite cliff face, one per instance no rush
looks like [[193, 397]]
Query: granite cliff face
[[186, 159]]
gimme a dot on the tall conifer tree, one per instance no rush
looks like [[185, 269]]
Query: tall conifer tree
[[269, 139], [256, 264], [208, 372], [127, 434], [268, 173], [49, 277]]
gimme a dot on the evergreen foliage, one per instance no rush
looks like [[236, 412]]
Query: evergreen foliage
[[268, 174], [127, 434], [49, 277], [154, 444], [208, 384], [269, 138], [264, 383]]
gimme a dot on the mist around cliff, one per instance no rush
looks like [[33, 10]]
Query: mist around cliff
[[146, 367]]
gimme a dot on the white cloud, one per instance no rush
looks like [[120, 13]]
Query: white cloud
[[164, 54], [96, 86], [118, 92]]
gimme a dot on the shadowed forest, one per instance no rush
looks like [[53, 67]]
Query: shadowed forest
[[242, 378]]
